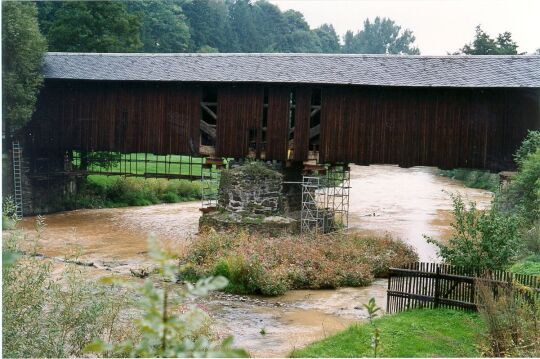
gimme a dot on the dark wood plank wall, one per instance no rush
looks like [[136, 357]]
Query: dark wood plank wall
[[239, 113], [124, 117], [277, 132], [447, 128], [301, 123]]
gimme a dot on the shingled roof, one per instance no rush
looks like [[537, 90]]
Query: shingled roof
[[375, 70]]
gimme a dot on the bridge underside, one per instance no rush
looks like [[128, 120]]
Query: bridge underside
[[443, 127]]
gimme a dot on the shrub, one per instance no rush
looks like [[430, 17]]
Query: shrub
[[101, 191], [511, 321], [530, 145], [480, 240], [272, 265], [9, 214], [474, 178], [46, 317], [168, 326]]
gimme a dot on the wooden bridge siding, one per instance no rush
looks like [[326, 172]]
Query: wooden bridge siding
[[132, 117], [277, 133], [302, 117], [433, 127], [239, 112]]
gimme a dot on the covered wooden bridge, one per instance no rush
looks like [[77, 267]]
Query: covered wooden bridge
[[444, 111], [302, 111]]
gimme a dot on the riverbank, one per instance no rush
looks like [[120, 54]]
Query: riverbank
[[99, 191], [403, 203], [416, 333]]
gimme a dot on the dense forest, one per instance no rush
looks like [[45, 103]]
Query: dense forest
[[207, 26]]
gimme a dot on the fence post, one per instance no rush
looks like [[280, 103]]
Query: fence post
[[387, 296], [437, 277]]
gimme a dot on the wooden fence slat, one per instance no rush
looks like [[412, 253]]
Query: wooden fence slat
[[435, 285]]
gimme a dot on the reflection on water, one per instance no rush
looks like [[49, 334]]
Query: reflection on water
[[405, 203]]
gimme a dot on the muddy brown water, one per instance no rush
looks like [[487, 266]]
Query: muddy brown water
[[405, 203]]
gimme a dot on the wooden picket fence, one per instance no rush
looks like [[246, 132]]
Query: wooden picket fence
[[435, 285]]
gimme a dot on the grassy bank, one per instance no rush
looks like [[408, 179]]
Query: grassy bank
[[116, 191], [529, 266], [256, 263], [415, 333], [141, 163], [474, 178]]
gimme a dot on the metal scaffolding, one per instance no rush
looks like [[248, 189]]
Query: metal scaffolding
[[325, 199], [210, 177]]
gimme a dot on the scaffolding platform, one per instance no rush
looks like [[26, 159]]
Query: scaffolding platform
[[325, 199]]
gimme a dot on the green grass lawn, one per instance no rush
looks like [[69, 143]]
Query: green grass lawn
[[529, 265], [166, 164], [415, 333]]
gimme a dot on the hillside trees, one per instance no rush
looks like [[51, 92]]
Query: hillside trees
[[209, 26], [23, 47], [164, 27], [92, 26], [206, 26]]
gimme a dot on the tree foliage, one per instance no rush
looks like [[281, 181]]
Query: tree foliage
[[481, 240], [382, 36], [92, 26], [483, 44], [23, 47], [164, 27], [206, 26]]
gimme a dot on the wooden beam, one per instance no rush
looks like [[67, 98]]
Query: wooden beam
[[314, 131], [208, 129], [208, 110]]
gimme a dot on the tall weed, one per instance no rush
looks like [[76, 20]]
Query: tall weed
[[254, 263], [511, 319]]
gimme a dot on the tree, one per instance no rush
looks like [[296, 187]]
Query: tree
[[348, 46], [328, 38], [297, 35], [209, 25], [94, 26], [23, 48], [485, 45], [164, 27], [244, 27], [270, 25], [382, 36], [537, 52]]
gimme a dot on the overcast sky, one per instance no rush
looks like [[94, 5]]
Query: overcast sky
[[439, 26]]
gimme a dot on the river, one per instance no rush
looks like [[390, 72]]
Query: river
[[405, 203]]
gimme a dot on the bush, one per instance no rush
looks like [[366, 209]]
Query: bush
[[101, 191], [511, 321], [257, 264], [168, 326], [530, 145], [480, 240], [522, 199], [474, 178], [46, 317], [46, 314], [9, 214]]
